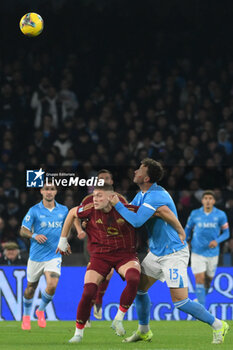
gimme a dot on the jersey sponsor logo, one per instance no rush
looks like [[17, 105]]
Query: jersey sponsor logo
[[207, 224], [54, 224], [112, 231], [120, 221], [99, 221]]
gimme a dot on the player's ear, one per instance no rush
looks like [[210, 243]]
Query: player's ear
[[147, 179]]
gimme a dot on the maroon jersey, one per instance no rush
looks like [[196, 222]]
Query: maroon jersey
[[107, 232], [89, 199]]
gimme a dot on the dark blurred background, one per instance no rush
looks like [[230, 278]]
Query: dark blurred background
[[108, 83]]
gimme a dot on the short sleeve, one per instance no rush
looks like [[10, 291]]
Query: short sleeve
[[28, 220], [84, 211]]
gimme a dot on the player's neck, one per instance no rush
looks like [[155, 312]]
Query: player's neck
[[107, 209], [49, 205], [145, 186], [208, 210]]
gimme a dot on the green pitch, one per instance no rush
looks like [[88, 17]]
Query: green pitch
[[179, 335]]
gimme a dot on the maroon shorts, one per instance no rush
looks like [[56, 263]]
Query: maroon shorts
[[105, 262]]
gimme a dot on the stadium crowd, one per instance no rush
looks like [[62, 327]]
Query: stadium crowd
[[72, 114]]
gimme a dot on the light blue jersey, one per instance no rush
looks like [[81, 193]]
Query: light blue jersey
[[206, 228], [41, 220], [163, 239]]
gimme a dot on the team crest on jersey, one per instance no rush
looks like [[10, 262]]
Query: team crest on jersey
[[99, 221], [60, 215], [120, 221], [42, 216]]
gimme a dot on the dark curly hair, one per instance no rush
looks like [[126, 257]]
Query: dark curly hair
[[155, 169]]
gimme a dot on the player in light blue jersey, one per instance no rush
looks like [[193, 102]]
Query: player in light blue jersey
[[168, 257], [42, 225], [210, 228]]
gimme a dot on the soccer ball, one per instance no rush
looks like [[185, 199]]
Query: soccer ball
[[31, 24]]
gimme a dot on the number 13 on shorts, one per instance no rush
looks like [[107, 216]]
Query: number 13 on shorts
[[173, 274]]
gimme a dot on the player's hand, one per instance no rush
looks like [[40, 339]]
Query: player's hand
[[114, 199], [84, 223], [182, 237], [81, 234], [67, 252], [41, 238], [63, 246], [213, 244]]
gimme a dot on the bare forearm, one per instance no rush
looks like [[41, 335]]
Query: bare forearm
[[167, 215], [68, 223], [24, 232], [78, 226]]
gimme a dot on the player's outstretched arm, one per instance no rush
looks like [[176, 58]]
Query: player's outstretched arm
[[167, 215], [135, 219], [26, 233], [63, 245]]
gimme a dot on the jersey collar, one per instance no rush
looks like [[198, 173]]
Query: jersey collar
[[41, 205], [152, 188], [213, 210]]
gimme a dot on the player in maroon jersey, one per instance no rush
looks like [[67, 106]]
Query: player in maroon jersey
[[111, 244], [106, 175]]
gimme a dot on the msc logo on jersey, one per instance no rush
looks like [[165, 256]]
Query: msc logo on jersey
[[51, 224], [55, 224], [207, 224], [35, 178]]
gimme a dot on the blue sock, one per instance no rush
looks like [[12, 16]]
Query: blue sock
[[196, 310], [143, 307], [200, 292], [46, 298], [27, 306]]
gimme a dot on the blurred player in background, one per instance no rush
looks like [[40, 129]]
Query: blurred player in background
[[111, 244], [168, 257], [210, 228], [42, 225], [106, 175]]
